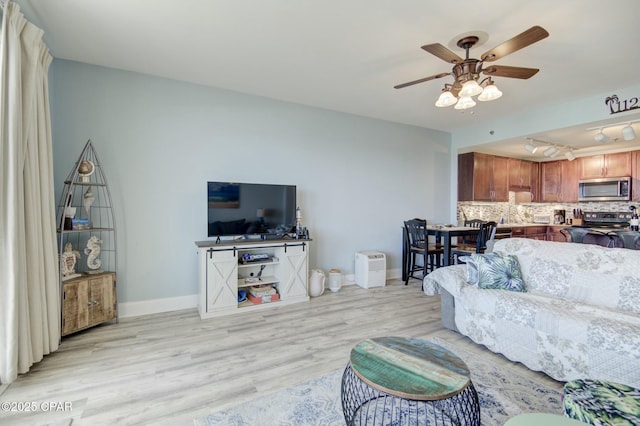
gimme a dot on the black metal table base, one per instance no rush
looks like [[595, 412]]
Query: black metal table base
[[365, 405]]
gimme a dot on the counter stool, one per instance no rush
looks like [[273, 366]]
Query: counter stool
[[598, 402]]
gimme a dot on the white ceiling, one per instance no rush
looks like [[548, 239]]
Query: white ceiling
[[346, 55]]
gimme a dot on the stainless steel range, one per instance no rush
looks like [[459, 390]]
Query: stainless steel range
[[607, 219]]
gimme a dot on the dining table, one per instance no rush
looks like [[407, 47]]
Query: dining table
[[443, 234]]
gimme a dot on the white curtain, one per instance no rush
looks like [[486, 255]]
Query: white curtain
[[29, 291]]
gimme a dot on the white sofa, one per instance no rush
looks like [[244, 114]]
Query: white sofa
[[578, 318]]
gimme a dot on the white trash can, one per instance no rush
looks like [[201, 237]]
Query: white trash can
[[335, 280]]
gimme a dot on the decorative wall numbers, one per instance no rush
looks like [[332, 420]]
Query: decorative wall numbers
[[616, 105]]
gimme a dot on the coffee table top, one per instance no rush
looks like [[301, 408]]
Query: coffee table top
[[409, 368]]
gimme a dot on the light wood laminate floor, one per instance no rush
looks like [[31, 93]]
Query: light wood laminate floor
[[173, 367]]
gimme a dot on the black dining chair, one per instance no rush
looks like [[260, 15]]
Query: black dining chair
[[486, 233], [420, 248], [630, 239]]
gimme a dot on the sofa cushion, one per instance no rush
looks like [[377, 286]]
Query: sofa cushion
[[494, 271]]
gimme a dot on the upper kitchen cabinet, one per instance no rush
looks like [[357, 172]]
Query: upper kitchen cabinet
[[559, 181], [635, 175], [520, 174], [606, 165], [483, 177]]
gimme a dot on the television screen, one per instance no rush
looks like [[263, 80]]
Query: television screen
[[250, 208]]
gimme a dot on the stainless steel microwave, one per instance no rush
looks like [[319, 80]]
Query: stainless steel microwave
[[605, 189]]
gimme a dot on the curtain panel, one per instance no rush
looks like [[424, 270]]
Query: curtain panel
[[29, 289]]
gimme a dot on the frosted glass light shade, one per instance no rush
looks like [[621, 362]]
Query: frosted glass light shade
[[465, 102], [470, 88], [490, 93], [601, 137], [446, 99], [627, 133]]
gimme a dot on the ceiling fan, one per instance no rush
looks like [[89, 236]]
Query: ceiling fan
[[466, 72]]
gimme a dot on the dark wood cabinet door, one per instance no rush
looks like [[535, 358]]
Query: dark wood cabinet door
[[551, 181], [500, 179], [519, 174], [618, 165], [606, 165], [635, 174], [569, 173], [591, 167]]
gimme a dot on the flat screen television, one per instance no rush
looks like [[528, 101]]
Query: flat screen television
[[239, 209]]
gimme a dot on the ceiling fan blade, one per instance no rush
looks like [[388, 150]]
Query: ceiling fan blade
[[511, 72], [443, 53], [520, 41], [422, 80]]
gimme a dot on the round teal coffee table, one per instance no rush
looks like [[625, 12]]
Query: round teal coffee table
[[398, 380]]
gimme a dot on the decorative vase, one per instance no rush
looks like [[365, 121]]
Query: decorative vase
[[316, 283]]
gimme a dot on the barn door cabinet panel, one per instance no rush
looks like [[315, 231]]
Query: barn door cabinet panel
[[606, 165], [243, 276], [483, 177]]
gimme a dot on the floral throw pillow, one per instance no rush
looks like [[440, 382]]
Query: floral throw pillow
[[495, 271]]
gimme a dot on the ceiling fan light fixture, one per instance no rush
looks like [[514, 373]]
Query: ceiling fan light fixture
[[530, 148], [601, 137], [627, 133], [490, 93], [446, 99], [465, 102], [470, 88]]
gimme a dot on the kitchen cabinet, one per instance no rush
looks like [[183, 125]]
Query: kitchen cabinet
[[483, 177], [554, 234], [605, 165], [533, 232], [520, 174], [635, 175], [559, 181]]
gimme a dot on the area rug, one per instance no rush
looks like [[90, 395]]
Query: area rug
[[503, 393]]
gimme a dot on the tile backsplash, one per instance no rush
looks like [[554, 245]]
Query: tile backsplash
[[512, 212]]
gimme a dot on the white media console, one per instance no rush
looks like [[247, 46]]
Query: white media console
[[267, 272]]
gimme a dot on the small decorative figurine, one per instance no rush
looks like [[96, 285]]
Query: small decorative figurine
[[89, 198], [93, 251], [68, 262]]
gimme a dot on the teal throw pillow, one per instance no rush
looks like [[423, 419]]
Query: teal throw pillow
[[495, 271]]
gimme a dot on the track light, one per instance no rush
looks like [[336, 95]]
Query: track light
[[601, 137], [530, 148], [570, 156], [550, 152], [627, 133]]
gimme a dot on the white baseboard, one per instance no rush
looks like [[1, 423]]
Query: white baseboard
[[156, 306]]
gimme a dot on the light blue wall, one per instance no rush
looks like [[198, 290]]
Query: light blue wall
[[160, 141]]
